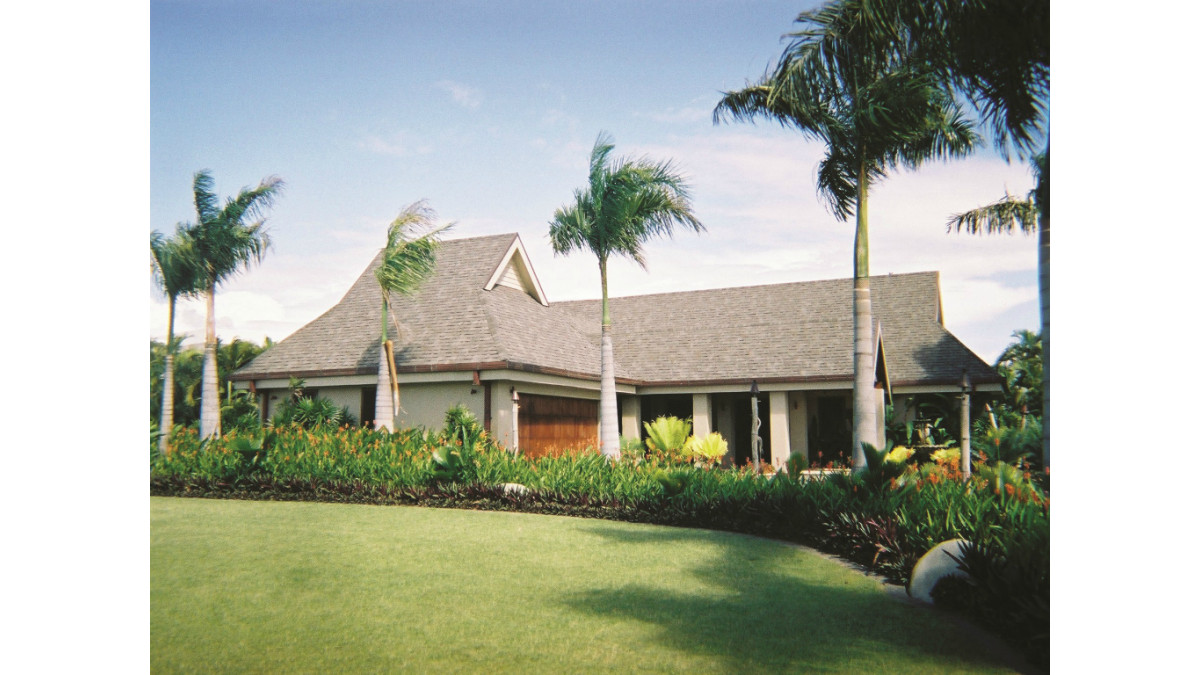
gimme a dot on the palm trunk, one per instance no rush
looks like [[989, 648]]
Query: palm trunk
[[865, 430], [610, 443], [210, 408], [168, 397], [385, 412], [1044, 296]]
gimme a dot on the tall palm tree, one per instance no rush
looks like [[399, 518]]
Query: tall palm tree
[[408, 260], [226, 240], [855, 86], [997, 53], [625, 203], [176, 273]]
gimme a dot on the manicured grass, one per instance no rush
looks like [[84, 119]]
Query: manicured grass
[[241, 586]]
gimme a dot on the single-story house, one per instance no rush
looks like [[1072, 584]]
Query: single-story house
[[482, 333]]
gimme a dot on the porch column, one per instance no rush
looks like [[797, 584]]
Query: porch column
[[781, 439], [631, 418], [701, 415]]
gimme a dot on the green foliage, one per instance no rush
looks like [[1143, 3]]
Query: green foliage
[[1020, 442], [666, 438], [311, 413], [797, 462], [1020, 364], [460, 423], [189, 366], [632, 449]]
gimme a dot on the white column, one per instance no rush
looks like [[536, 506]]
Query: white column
[[781, 438], [701, 424], [631, 418]]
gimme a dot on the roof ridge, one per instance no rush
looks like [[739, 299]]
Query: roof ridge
[[749, 287]]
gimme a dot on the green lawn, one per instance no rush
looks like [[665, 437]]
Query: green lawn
[[239, 586]]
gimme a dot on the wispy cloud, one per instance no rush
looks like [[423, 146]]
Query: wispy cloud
[[467, 97], [396, 145], [683, 115]]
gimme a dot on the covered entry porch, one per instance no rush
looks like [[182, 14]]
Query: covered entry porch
[[812, 420]]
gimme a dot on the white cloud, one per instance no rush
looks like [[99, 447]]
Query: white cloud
[[467, 97], [397, 144]]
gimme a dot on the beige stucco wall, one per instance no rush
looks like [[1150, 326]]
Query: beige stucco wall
[[425, 405]]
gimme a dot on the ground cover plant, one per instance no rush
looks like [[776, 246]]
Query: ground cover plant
[[241, 586], [884, 519]]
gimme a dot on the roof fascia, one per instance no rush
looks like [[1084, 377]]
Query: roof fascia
[[524, 269]]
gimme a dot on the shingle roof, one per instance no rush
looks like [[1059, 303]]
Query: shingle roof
[[784, 332]]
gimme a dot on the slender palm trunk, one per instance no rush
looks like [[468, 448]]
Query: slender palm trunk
[[865, 430], [210, 408], [610, 444], [168, 397], [384, 409], [1044, 297]]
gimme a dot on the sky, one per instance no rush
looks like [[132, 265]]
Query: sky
[[489, 111]]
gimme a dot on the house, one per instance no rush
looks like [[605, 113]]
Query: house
[[482, 333]]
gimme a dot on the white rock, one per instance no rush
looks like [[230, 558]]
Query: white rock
[[514, 489], [935, 566]]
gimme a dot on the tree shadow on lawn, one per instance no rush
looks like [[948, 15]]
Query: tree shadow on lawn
[[753, 619]]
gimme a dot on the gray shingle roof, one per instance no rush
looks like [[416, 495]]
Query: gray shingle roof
[[790, 332]]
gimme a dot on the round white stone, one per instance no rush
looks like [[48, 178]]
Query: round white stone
[[935, 566]]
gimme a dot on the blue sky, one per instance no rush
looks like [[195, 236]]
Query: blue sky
[[489, 110]]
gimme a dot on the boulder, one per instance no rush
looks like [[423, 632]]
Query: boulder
[[935, 566], [514, 489]]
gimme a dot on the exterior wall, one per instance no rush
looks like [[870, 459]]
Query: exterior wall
[[701, 410], [345, 397], [425, 405], [631, 418]]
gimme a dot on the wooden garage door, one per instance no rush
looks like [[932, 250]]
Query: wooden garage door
[[552, 425]]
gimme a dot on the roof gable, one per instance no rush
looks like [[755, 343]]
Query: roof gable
[[515, 271]]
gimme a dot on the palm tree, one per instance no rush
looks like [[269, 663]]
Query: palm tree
[[625, 203], [175, 272], [847, 82], [408, 260], [1020, 364], [226, 240], [997, 53]]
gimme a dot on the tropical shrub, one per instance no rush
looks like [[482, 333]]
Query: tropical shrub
[[311, 413], [666, 438], [1013, 441], [797, 462], [632, 449]]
